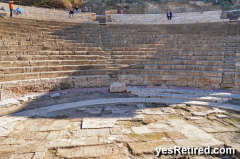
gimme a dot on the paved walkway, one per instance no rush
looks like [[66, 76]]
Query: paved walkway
[[118, 125]]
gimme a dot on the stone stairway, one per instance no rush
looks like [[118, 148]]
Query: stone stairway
[[112, 68], [233, 16], [228, 75], [106, 45], [101, 19]]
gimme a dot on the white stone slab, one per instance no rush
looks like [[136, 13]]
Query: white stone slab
[[54, 95], [141, 130], [220, 116]]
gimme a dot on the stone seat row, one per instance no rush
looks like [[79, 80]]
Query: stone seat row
[[127, 64], [49, 35], [176, 80], [168, 57], [175, 67], [49, 48], [166, 49], [138, 34], [155, 27], [75, 43], [165, 32], [51, 74], [168, 62], [122, 53], [170, 53], [48, 31], [186, 75], [17, 70], [50, 57], [43, 43], [162, 41], [172, 72], [40, 52], [70, 56], [46, 63]]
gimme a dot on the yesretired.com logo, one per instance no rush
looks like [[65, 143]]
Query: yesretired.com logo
[[194, 151]]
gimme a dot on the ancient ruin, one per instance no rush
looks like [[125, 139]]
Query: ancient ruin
[[122, 88]]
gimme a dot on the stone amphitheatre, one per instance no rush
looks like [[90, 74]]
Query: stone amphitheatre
[[173, 83]]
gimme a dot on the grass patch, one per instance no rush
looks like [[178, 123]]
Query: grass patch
[[234, 119]]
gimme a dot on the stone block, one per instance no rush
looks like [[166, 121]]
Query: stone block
[[6, 94], [117, 87]]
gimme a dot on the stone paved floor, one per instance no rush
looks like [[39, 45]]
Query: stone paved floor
[[120, 130]]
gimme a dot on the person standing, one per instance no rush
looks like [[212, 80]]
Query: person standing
[[169, 15], [11, 7], [118, 9]]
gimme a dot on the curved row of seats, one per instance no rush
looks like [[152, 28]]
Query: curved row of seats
[[183, 55]]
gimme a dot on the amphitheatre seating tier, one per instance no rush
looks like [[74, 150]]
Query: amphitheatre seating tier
[[194, 55], [47, 14]]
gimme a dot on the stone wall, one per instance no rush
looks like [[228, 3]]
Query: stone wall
[[200, 3], [172, 80], [178, 18], [48, 84]]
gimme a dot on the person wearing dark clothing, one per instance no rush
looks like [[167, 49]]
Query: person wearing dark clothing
[[71, 13], [76, 9], [118, 9], [169, 15], [85, 9]]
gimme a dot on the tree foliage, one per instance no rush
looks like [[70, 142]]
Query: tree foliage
[[53, 3]]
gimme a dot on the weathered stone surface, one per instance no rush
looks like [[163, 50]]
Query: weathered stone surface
[[59, 125], [117, 87], [94, 123], [6, 94], [163, 86], [150, 86], [200, 113], [9, 102]]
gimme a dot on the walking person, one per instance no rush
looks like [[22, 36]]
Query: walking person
[[169, 15], [11, 7]]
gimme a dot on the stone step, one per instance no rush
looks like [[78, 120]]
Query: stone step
[[227, 85], [47, 63], [228, 70], [169, 62], [53, 74], [51, 57], [13, 70], [182, 92], [172, 73], [228, 77], [227, 81]]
